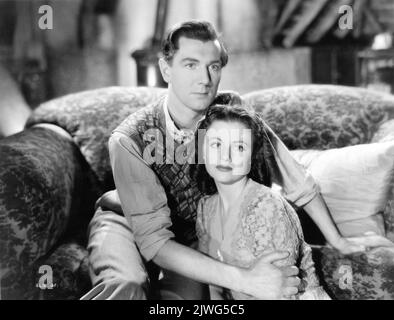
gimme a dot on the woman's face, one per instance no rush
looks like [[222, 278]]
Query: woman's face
[[227, 151]]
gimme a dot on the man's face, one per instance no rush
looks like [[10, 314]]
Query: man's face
[[194, 74]]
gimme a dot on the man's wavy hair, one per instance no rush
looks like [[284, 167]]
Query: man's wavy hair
[[264, 168], [193, 29]]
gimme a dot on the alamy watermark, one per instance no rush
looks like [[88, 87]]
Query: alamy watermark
[[46, 280], [162, 149], [345, 22], [45, 20], [345, 277]]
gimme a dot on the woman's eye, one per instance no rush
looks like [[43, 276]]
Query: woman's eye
[[215, 145], [241, 148]]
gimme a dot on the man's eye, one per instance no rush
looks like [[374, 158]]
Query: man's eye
[[191, 66], [215, 67]]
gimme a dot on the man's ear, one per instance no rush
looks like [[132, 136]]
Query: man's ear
[[165, 70]]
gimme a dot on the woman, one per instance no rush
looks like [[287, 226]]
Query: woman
[[240, 218]]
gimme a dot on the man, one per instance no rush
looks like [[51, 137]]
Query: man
[[159, 201]]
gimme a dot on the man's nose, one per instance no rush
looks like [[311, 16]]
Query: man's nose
[[205, 76]]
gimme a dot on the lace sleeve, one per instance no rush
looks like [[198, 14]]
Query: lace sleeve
[[310, 288], [307, 266], [201, 228]]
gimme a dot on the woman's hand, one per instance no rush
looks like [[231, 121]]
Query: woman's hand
[[361, 243]]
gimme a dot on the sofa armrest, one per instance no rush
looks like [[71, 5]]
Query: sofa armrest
[[42, 183], [69, 274]]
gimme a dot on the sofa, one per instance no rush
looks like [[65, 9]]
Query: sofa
[[52, 173]]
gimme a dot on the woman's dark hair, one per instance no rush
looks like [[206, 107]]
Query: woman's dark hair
[[264, 168], [193, 29]]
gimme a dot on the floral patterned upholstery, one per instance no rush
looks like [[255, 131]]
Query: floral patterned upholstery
[[44, 186], [49, 185], [322, 116], [358, 276], [70, 273], [43, 210], [89, 117]]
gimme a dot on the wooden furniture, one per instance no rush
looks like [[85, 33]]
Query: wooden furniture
[[376, 69]]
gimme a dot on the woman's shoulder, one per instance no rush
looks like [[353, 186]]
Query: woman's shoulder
[[269, 207], [270, 204], [261, 192]]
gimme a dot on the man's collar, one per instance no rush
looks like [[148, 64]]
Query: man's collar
[[178, 135]]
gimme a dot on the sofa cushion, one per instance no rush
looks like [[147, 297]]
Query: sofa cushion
[[359, 276], [322, 116], [90, 116], [354, 181], [386, 133]]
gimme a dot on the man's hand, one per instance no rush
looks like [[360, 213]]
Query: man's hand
[[268, 282]]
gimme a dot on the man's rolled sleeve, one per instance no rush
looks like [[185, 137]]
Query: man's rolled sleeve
[[143, 199], [298, 184]]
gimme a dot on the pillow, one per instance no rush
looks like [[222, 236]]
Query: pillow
[[354, 182]]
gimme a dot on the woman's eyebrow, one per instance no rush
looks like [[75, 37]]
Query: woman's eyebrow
[[214, 137]]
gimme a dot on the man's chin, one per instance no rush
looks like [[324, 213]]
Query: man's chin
[[203, 101], [201, 107]]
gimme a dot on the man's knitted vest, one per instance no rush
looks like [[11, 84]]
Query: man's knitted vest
[[147, 127]]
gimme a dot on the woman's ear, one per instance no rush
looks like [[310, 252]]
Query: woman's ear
[[165, 70]]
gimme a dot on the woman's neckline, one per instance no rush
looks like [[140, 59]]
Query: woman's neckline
[[238, 200]]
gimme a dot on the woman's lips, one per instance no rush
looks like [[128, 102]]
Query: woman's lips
[[224, 168]]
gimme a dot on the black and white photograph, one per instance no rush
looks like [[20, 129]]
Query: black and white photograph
[[218, 151]]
